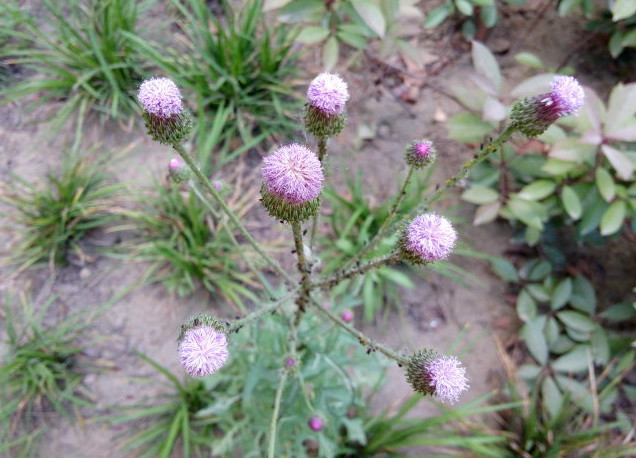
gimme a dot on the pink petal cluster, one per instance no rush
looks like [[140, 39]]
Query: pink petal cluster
[[430, 237], [448, 377], [293, 173], [423, 149], [176, 164], [566, 95], [160, 97], [316, 423], [347, 316], [203, 351], [328, 93]]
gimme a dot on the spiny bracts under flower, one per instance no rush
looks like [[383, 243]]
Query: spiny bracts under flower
[[202, 345], [167, 121], [420, 153], [533, 115], [326, 98], [428, 238], [436, 375], [292, 183]]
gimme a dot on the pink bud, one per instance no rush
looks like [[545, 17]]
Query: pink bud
[[316, 423], [347, 316]]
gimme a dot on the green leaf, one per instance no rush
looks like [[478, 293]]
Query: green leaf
[[583, 295], [485, 64], [504, 269], [600, 346], [538, 292], [532, 334], [622, 9], [537, 190], [529, 213], [489, 16], [558, 167], [576, 360], [571, 202], [561, 294], [613, 218], [330, 53], [605, 184], [311, 35], [622, 164], [576, 321], [540, 271], [529, 60], [480, 195], [551, 331], [302, 10], [619, 312], [468, 128], [437, 16], [464, 7], [371, 15], [526, 306], [486, 213], [552, 399], [529, 371]]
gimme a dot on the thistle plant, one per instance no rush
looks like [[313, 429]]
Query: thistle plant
[[293, 177]]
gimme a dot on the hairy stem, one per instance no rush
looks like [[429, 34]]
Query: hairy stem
[[230, 213], [261, 311], [322, 154], [303, 269], [356, 271], [274, 422]]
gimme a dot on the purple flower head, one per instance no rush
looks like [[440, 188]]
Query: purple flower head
[[328, 93], [432, 374], [448, 378], [566, 95], [160, 97], [293, 173], [203, 350], [316, 423], [347, 316], [178, 170], [429, 237], [175, 164], [420, 153], [290, 362]]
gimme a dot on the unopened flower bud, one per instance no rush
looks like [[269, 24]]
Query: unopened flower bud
[[202, 345], [316, 423], [178, 170], [290, 362], [420, 153], [166, 119], [428, 238], [347, 316], [326, 98], [441, 376], [292, 183], [533, 115]]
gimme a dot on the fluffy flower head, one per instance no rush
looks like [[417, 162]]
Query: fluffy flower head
[[420, 153], [435, 375], [566, 95], [430, 237], [293, 173], [203, 350], [160, 97], [328, 93]]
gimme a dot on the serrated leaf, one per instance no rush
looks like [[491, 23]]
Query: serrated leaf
[[613, 218], [371, 15], [561, 294], [330, 53], [311, 35], [571, 202], [575, 361], [605, 184], [622, 164], [552, 398], [486, 213], [468, 128], [622, 9], [485, 63], [436, 16], [504, 269], [480, 195], [537, 190], [576, 320], [526, 306], [529, 60], [532, 334]]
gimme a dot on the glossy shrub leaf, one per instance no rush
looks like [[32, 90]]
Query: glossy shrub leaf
[[532, 334], [485, 63], [573, 150], [600, 345], [622, 9], [526, 306], [302, 10], [312, 34], [574, 361], [579, 393], [571, 202], [541, 270], [561, 345], [622, 164], [561, 294], [529, 371], [538, 292], [583, 295], [486, 213], [605, 184], [558, 167], [620, 312], [576, 321], [613, 218], [537, 190], [551, 331], [464, 7], [371, 15], [552, 398], [468, 128], [437, 16], [504, 270], [529, 213], [538, 84], [621, 106], [529, 60], [330, 53], [480, 195], [493, 110]]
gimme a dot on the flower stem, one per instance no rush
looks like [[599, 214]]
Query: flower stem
[[302, 268], [362, 338], [322, 154], [260, 312], [336, 278], [230, 213], [272, 427]]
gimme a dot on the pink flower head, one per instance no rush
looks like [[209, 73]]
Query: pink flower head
[[175, 164], [347, 316], [290, 362], [160, 97], [293, 173], [448, 378], [422, 149], [316, 423], [566, 95], [430, 237], [203, 350], [328, 93]]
